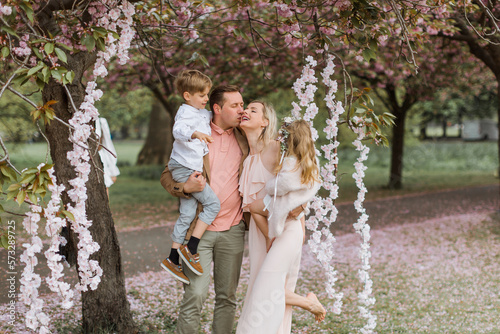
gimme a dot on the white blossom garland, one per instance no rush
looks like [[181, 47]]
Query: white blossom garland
[[363, 229], [89, 270], [328, 210], [52, 228], [322, 240], [108, 16], [30, 281]]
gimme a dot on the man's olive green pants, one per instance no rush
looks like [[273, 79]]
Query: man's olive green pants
[[225, 250]]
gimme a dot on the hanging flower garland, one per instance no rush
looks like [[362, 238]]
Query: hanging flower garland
[[107, 14], [363, 229], [52, 228], [322, 240], [30, 281]]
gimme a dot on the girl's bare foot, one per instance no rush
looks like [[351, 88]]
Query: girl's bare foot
[[316, 308]]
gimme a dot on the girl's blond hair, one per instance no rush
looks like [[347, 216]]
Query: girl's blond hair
[[300, 144], [270, 131]]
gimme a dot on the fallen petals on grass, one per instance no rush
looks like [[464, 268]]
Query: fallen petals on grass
[[438, 276]]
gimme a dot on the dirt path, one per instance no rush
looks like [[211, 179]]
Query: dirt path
[[142, 250]]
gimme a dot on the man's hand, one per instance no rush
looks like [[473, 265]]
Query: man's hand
[[195, 183], [295, 212], [202, 136]]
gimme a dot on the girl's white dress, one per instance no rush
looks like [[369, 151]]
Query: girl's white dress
[[264, 310]]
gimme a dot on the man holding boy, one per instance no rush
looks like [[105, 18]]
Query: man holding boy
[[223, 242]]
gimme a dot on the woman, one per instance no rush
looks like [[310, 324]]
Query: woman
[[271, 313]]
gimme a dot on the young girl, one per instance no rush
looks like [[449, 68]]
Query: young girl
[[295, 184]]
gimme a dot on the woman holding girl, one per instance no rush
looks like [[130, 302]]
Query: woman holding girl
[[273, 275]]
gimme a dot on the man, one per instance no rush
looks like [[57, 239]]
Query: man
[[223, 242]]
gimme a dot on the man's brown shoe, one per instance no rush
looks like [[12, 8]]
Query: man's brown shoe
[[175, 270], [192, 261]]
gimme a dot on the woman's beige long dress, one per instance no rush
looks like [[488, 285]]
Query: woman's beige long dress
[[264, 310]]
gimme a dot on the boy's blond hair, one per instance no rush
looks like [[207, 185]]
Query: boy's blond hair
[[192, 81]]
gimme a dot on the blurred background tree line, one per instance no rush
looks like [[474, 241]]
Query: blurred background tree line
[[129, 114]]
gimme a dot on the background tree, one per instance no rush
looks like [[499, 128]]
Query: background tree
[[400, 89], [475, 24]]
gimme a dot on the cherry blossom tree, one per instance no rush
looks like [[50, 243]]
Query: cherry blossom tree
[[400, 89], [474, 23]]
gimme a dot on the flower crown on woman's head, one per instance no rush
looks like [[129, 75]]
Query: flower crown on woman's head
[[283, 132]]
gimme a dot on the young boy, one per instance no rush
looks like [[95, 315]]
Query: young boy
[[192, 133]]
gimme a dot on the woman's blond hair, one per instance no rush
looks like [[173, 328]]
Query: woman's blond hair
[[270, 131], [300, 144]]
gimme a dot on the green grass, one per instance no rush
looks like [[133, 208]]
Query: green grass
[[428, 166]]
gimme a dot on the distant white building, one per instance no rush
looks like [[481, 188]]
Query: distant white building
[[480, 129]]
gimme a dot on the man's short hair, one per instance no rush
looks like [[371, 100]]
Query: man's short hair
[[192, 81], [217, 95]]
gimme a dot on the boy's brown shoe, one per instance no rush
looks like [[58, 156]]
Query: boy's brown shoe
[[174, 270], [192, 261]]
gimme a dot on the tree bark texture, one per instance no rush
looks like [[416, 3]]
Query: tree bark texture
[[159, 140], [107, 307]]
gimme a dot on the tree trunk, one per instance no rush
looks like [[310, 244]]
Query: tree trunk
[[444, 125], [159, 140], [398, 135], [423, 132], [498, 124], [124, 132], [106, 308]]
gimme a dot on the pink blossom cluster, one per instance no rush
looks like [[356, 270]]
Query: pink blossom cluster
[[285, 10], [361, 227], [290, 27], [322, 242], [23, 50]]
